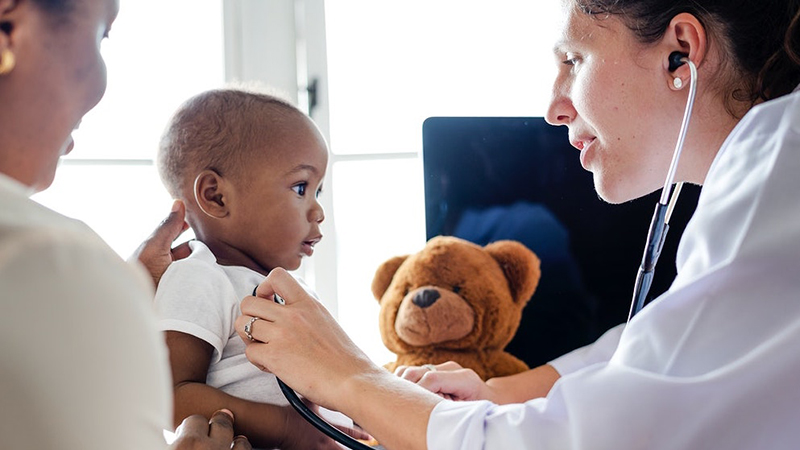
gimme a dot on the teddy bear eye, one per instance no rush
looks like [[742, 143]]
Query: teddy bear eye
[[456, 289]]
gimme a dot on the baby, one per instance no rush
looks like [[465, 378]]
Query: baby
[[249, 167]]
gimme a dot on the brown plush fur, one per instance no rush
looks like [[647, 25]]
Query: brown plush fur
[[458, 301]]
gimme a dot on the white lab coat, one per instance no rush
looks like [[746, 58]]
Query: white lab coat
[[714, 363]]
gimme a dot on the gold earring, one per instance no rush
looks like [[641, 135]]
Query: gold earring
[[677, 82], [7, 61]]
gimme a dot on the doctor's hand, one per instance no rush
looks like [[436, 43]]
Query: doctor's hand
[[301, 343], [156, 252], [454, 382], [448, 380], [198, 433]]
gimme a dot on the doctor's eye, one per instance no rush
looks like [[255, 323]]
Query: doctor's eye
[[570, 59], [300, 188]]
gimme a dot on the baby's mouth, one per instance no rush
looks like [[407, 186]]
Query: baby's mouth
[[308, 246]]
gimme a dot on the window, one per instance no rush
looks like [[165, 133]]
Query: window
[[157, 57], [390, 65]]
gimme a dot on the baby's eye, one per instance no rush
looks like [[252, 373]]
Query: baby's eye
[[319, 192], [300, 189]]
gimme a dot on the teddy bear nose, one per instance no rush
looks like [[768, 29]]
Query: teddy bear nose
[[425, 298]]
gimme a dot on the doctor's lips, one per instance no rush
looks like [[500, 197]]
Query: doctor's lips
[[581, 142]]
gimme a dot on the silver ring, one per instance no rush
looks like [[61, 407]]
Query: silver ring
[[430, 367], [248, 328]]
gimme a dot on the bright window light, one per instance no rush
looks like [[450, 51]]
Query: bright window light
[[158, 55], [390, 66]]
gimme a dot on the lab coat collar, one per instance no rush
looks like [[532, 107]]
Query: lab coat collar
[[735, 218]]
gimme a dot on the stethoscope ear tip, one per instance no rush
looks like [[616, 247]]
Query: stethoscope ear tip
[[677, 59]]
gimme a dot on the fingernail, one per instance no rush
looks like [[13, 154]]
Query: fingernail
[[227, 411], [176, 205]]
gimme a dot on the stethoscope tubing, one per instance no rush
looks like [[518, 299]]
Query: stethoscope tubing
[[659, 224]]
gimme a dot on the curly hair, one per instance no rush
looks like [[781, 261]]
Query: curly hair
[[221, 130]]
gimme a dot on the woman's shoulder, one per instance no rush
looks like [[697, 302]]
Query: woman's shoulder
[[27, 226], [781, 115]]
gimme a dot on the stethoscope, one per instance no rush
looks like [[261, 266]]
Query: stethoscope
[[655, 242], [659, 225], [306, 412]]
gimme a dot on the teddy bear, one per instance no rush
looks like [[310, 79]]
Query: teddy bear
[[456, 301]]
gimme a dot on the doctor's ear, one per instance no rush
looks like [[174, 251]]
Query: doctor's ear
[[687, 37], [210, 195]]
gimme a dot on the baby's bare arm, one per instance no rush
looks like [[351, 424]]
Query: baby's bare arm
[[265, 425]]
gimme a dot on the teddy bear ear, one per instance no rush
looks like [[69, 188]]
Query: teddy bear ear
[[384, 275], [520, 265]]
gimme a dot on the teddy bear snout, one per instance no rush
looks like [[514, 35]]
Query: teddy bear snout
[[425, 297]]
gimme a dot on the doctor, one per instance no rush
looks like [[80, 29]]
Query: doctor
[[714, 362]]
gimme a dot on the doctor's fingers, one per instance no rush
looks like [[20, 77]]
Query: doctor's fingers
[[253, 328], [414, 373], [280, 281], [462, 384]]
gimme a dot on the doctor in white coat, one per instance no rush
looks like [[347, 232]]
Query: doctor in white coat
[[711, 364]]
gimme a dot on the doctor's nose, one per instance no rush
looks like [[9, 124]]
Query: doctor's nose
[[561, 110]]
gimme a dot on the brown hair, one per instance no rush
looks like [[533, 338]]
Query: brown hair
[[762, 37]]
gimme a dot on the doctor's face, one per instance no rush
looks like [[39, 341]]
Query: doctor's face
[[610, 91]]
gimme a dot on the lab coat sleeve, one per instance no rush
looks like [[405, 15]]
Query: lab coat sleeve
[[596, 352], [745, 405]]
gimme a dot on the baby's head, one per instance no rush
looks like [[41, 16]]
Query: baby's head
[[249, 167]]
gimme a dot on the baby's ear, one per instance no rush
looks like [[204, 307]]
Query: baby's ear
[[210, 195], [519, 264], [384, 275]]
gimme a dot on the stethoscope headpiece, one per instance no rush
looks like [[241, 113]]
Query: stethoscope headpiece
[[677, 59]]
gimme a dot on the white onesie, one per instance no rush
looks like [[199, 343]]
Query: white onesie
[[201, 298]]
